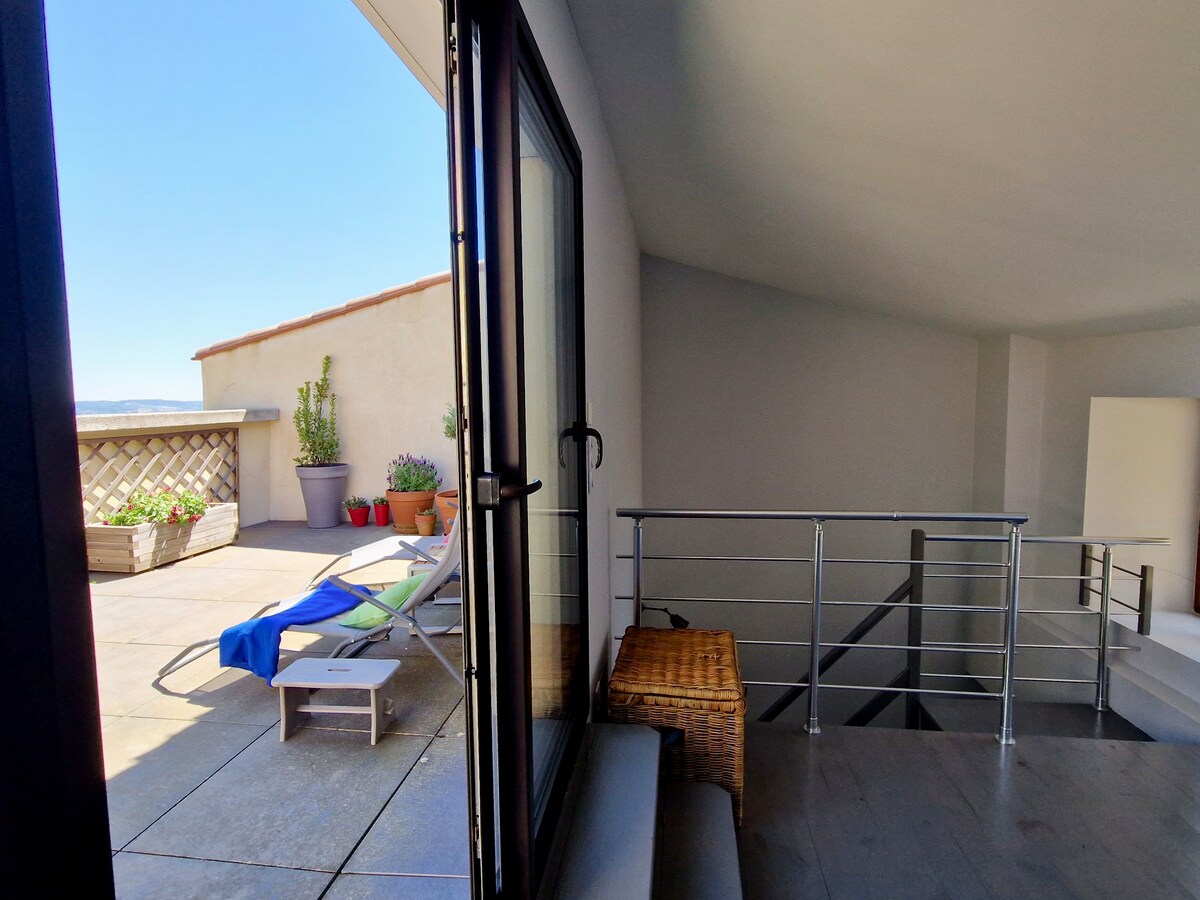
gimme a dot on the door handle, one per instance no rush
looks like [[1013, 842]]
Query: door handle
[[489, 491], [514, 491], [586, 431]]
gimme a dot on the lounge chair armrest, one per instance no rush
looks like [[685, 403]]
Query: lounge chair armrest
[[421, 554], [364, 596]]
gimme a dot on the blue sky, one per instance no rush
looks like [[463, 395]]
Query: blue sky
[[224, 166]]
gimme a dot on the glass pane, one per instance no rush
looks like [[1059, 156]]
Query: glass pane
[[548, 273]]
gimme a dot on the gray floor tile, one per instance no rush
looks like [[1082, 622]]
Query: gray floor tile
[[125, 673], [153, 877], [299, 803], [423, 831], [245, 585], [238, 556], [152, 764], [148, 619], [231, 695], [108, 584], [378, 887], [456, 725]]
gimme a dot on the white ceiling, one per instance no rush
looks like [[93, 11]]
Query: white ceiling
[[1028, 166]]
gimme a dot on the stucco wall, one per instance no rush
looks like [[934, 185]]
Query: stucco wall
[[1146, 364], [393, 372], [754, 398]]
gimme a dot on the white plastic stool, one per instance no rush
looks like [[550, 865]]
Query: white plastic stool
[[304, 676]]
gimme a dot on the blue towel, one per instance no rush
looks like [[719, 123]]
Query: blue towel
[[254, 644]]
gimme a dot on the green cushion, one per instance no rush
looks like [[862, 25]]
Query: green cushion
[[367, 616]]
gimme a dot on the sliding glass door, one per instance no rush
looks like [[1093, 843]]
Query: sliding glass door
[[517, 204]]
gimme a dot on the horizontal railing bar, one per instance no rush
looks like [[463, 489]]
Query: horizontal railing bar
[[999, 678], [821, 515], [915, 562], [808, 559], [1051, 539], [883, 689], [924, 647], [939, 607], [1031, 577], [1096, 559], [800, 559], [983, 695], [965, 575], [1059, 612], [774, 643], [646, 597], [1071, 647]]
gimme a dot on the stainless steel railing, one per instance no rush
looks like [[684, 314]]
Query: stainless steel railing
[[1010, 573], [1106, 580]]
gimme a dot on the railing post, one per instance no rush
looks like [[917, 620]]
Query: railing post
[[1145, 600], [814, 643], [1102, 653], [1010, 635], [637, 571], [916, 596]]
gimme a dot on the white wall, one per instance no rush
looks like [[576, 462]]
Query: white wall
[[612, 297], [754, 398], [393, 373], [1143, 478], [1146, 364]]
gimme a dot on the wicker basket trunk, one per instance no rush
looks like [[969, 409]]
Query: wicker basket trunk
[[686, 679]]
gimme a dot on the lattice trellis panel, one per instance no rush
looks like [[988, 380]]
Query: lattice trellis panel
[[202, 461]]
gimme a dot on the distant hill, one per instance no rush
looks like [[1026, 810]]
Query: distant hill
[[115, 407]]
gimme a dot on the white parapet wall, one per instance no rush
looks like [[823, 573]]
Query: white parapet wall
[[222, 453], [393, 373]]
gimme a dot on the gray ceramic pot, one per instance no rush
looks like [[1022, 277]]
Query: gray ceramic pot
[[324, 489]]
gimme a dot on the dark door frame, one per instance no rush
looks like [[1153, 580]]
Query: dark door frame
[[506, 47], [51, 768]]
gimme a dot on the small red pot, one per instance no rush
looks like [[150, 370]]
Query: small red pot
[[358, 517], [381, 513]]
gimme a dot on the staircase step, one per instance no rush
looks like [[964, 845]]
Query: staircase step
[[1041, 718], [698, 853], [609, 853]]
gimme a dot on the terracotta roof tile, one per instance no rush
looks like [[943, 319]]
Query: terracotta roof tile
[[262, 334]]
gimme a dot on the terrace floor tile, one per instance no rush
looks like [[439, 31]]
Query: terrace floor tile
[[142, 877], [152, 764], [423, 830], [411, 887], [300, 803]]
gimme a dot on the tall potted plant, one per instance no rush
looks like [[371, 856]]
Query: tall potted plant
[[447, 501], [322, 477], [412, 482]]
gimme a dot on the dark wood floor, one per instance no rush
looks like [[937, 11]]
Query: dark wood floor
[[861, 813]]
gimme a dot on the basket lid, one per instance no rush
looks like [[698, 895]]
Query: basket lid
[[678, 662]]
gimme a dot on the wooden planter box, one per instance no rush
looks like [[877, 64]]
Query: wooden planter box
[[136, 548]]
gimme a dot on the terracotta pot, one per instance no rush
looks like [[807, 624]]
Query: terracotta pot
[[444, 499], [426, 524], [405, 505], [381, 514], [359, 515]]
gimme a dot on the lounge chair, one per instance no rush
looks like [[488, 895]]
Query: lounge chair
[[355, 640]]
